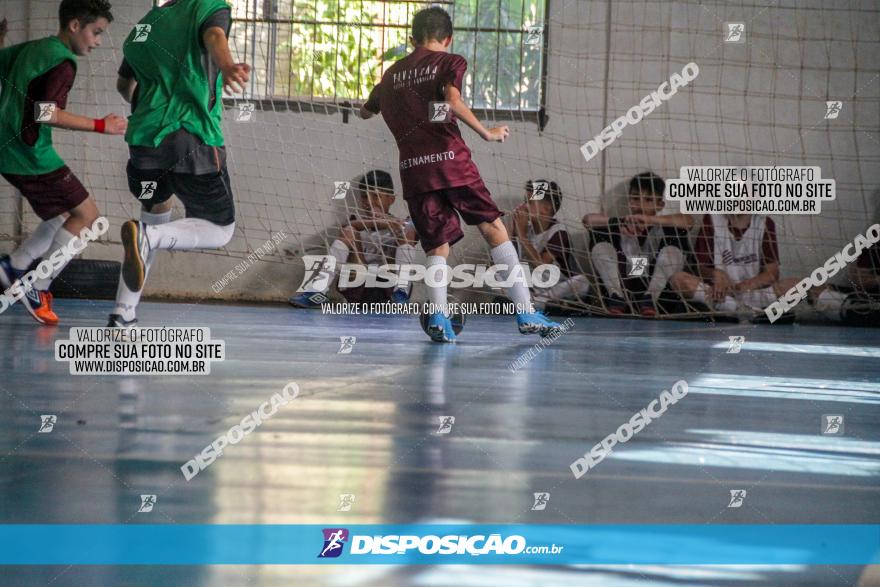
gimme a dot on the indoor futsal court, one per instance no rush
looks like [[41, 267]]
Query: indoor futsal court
[[469, 293]]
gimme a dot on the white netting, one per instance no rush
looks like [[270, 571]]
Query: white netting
[[759, 102]]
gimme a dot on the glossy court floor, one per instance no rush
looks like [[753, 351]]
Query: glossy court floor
[[365, 424]]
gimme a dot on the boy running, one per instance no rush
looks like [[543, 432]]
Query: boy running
[[36, 77], [420, 98], [177, 63]]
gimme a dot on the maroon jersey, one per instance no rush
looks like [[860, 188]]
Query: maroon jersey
[[433, 155]]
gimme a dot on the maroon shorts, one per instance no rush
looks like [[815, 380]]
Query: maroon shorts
[[50, 194], [435, 214]]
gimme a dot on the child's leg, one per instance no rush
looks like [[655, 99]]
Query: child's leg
[[504, 253], [573, 288], [36, 245], [437, 276], [405, 254], [691, 287], [126, 299], [669, 261], [437, 225], [604, 257], [80, 217], [341, 249]]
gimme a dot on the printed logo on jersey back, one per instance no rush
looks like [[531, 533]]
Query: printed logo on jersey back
[[439, 112]]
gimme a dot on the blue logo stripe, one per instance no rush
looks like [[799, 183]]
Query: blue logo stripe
[[36, 544]]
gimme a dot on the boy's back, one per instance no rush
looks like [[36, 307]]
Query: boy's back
[[433, 155]]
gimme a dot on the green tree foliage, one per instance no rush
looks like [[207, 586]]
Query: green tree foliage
[[338, 49]]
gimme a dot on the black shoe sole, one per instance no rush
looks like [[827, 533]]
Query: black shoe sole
[[133, 264]]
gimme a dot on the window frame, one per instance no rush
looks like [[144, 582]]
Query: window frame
[[334, 105]]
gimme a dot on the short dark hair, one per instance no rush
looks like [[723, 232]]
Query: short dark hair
[[377, 180], [431, 23], [648, 182], [553, 193], [85, 11]]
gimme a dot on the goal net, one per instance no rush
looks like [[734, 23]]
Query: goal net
[[556, 76]]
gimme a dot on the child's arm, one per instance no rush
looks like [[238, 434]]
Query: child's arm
[[768, 276], [371, 107], [461, 110], [113, 124], [590, 220], [685, 221], [393, 224], [234, 74], [520, 230]]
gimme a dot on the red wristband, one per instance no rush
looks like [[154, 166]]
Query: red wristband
[[99, 125]]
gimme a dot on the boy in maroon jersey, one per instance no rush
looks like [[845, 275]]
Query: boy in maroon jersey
[[420, 97]]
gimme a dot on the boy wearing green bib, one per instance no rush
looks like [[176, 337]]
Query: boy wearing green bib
[[36, 77], [177, 64]]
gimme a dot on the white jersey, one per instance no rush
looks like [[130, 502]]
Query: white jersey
[[740, 259], [378, 245], [540, 240]]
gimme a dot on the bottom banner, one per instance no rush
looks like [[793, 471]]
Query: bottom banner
[[36, 544]]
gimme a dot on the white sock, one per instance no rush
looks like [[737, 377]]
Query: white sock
[[505, 254], [728, 305], [187, 234], [829, 303], [61, 240], [339, 251], [701, 294], [127, 300], [604, 258], [404, 255], [437, 292], [670, 261], [574, 287], [36, 245]]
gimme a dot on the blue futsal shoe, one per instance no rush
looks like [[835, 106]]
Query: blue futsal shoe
[[8, 273], [308, 300], [400, 295], [439, 328], [536, 323]]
